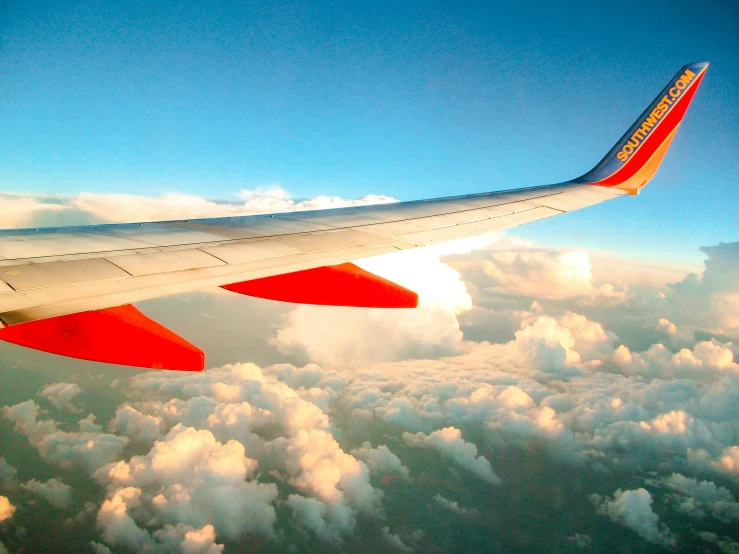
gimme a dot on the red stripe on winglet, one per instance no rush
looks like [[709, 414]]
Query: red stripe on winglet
[[120, 335], [336, 285], [654, 140]]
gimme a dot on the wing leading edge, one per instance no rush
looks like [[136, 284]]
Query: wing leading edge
[[49, 277]]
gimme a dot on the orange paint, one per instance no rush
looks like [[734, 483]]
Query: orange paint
[[334, 285], [120, 335]]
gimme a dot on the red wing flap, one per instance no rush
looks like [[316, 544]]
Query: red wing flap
[[334, 285], [121, 335]]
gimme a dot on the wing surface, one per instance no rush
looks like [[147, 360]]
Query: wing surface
[[52, 272]]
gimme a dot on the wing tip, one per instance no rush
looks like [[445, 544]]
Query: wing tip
[[635, 158]]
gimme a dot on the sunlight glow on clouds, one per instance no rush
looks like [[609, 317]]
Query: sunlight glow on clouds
[[6, 509], [432, 329]]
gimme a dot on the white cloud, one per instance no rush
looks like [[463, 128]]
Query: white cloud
[[18, 211], [8, 473], [187, 540], [314, 515], [704, 361], [453, 506], [666, 326], [6, 509], [633, 508], [395, 540], [729, 461], [519, 269], [120, 529], [274, 199], [699, 498], [341, 336], [581, 540], [88, 447], [725, 544], [381, 460], [61, 394], [560, 382], [449, 442], [100, 548], [135, 425], [54, 490], [319, 468], [85, 207], [712, 298], [190, 477]]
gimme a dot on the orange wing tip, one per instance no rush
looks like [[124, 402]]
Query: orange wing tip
[[120, 335], [336, 285], [637, 156]]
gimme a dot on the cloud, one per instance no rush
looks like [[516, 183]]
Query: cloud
[[633, 509], [725, 544], [120, 529], [381, 460], [581, 541], [61, 394], [517, 268], [729, 461], [238, 401], [449, 442], [712, 298], [188, 477], [609, 390], [135, 425], [88, 447], [319, 468], [191, 541], [88, 207], [8, 474], [54, 490], [431, 330], [394, 540], [99, 548], [274, 199], [726, 463], [19, 211], [700, 362], [6, 509], [454, 506], [700, 498]]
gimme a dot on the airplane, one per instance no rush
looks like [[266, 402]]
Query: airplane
[[68, 290]]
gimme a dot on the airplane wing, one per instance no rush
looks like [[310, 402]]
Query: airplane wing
[[68, 290]]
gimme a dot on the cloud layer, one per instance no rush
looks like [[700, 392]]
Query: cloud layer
[[526, 389], [87, 207]]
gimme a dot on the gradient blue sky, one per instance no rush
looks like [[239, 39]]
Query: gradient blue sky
[[411, 100]]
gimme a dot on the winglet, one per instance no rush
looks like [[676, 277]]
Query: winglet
[[635, 158]]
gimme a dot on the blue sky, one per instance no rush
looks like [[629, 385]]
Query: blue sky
[[411, 100]]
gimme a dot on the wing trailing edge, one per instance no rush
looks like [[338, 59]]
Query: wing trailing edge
[[123, 335], [335, 285], [634, 160]]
